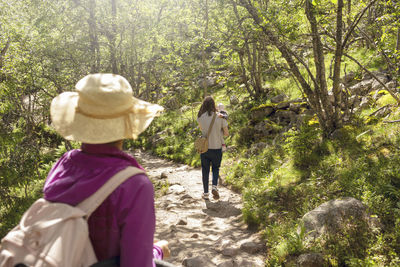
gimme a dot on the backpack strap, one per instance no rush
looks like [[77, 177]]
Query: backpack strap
[[211, 125], [91, 203]]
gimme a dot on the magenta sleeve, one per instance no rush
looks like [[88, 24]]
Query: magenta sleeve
[[137, 217]]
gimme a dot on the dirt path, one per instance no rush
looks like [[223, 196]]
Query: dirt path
[[201, 233]]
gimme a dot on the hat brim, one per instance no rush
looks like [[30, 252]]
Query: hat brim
[[78, 127]]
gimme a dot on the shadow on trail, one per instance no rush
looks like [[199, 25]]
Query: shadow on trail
[[221, 209]]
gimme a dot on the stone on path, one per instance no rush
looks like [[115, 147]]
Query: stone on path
[[198, 261], [251, 247], [176, 189], [230, 252], [230, 263], [200, 233]]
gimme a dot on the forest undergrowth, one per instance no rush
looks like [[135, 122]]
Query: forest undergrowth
[[299, 170], [292, 174]]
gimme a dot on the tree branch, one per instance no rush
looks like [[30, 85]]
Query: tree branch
[[374, 76], [355, 22]]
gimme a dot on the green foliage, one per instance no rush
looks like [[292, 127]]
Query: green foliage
[[304, 146], [172, 141], [288, 240], [21, 191], [281, 184]]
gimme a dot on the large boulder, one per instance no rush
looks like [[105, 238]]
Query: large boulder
[[279, 98], [333, 216], [261, 113], [311, 260]]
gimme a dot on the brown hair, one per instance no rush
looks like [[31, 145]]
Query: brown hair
[[208, 106]]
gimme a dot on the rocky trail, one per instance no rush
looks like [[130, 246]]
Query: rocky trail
[[200, 233]]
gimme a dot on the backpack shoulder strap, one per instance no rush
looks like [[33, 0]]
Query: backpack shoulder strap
[[211, 125], [91, 203]]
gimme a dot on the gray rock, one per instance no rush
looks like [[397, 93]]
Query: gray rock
[[278, 98], [182, 222], [283, 116], [283, 105], [176, 189], [251, 247], [295, 107], [311, 260], [329, 217], [208, 81], [376, 84], [230, 252], [229, 263], [198, 261], [391, 84], [261, 113], [246, 263]]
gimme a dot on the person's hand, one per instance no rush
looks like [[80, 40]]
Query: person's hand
[[163, 244]]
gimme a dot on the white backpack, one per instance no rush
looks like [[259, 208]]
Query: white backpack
[[55, 234]]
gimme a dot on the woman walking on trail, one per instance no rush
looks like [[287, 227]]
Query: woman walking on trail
[[208, 115], [100, 114]]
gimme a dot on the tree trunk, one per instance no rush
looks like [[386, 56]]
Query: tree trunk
[[321, 88], [113, 37], [203, 57], [93, 38], [2, 55], [253, 57], [243, 72], [348, 12], [338, 59]]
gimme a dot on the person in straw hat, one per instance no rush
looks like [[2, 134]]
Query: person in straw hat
[[100, 114]]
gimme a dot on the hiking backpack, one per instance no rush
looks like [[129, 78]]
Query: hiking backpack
[[54, 234]]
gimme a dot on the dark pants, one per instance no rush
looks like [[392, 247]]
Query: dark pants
[[212, 157]]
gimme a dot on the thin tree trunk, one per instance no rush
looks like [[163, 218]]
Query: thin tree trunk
[[244, 76], [94, 44], [321, 89], [348, 12], [203, 57], [255, 73], [113, 36], [338, 59], [2, 54]]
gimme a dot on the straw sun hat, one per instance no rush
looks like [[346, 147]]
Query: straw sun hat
[[101, 110]]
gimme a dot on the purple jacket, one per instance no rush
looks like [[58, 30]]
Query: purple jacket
[[124, 224]]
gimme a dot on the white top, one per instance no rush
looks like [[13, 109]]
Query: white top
[[216, 135]]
